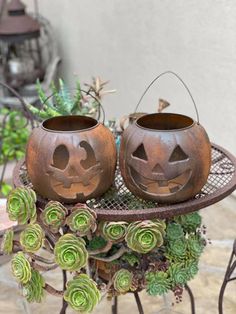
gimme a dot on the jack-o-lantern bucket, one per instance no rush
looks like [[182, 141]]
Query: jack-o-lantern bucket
[[165, 157], [71, 158]]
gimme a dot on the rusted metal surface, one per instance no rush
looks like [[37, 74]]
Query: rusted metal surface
[[165, 157], [120, 205], [18, 25], [71, 158]]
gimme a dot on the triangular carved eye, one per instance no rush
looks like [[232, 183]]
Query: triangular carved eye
[[140, 153], [178, 154]]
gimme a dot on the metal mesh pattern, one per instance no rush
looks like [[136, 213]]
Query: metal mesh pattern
[[118, 197]]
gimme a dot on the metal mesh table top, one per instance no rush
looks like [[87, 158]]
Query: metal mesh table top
[[118, 203]]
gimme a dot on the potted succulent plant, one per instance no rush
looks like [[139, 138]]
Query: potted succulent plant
[[104, 257]]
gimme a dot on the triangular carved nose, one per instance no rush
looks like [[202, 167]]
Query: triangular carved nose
[[158, 170]]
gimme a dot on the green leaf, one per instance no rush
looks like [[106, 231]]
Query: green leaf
[[6, 188]]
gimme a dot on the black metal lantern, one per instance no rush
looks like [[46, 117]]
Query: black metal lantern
[[20, 49], [18, 26]]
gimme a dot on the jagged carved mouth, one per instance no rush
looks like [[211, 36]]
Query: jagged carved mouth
[[76, 188], [160, 186], [71, 186]]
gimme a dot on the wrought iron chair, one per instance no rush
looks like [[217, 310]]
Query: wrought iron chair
[[229, 276]]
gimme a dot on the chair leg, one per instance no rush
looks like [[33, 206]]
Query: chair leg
[[192, 300], [227, 278], [138, 302], [114, 308]]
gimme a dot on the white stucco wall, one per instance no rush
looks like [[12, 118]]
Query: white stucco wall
[[131, 41]]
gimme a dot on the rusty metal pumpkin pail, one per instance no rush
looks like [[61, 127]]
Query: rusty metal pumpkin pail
[[71, 158], [165, 157]]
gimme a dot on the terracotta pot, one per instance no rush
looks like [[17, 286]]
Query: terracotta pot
[[71, 158], [165, 157]]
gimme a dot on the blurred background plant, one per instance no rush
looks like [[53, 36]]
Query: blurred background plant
[[64, 101], [13, 138]]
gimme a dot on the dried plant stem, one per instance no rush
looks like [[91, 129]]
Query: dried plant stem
[[44, 268], [108, 286], [41, 259], [117, 255], [53, 291], [15, 250], [104, 249], [33, 256], [48, 245], [88, 271]]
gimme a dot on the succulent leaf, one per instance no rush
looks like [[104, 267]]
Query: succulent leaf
[[178, 274], [176, 250], [113, 231], [21, 268], [82, 294], [189, 222], [82, 220], [195, 246], [174, 231], [7, 242], [122, 280], [21, 205], [144, 236], [70, 252], [33, 290], [54, 215], [158, 283], [191, 268], [131, 259], [31, 239]]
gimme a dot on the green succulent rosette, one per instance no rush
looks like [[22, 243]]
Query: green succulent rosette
[[158, 283], [70, 252], [32, 238], [21, 268], [82, 294], [21, 205], [178, 274], [131, 259], [189, 222], [113, 231], [54, 215], [195, 246], [191, 267], [7, 242], [82, 220], [144, 236], [33, 290], [122, 281], [176, 250], [174, 231], [96, 243]]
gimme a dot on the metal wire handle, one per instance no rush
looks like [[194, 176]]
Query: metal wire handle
[[183, 83], [87, 93]]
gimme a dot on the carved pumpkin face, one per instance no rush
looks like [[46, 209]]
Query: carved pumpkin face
[[74, 172], [165, 157], [150, 175], [71, 159]]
